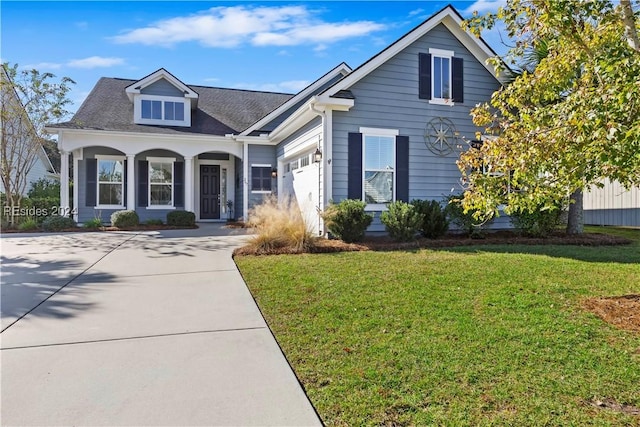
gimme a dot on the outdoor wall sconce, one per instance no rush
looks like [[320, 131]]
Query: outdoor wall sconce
[[274, 173], [317, 156]]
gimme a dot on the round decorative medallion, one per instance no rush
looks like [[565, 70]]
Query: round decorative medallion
[[441, 136]]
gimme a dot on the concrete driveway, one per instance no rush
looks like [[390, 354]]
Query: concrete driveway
[[154, 328]]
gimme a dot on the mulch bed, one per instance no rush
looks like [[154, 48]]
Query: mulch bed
[[141, 227]]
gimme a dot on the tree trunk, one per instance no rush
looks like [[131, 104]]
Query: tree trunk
[[575, 221], [629, 20]]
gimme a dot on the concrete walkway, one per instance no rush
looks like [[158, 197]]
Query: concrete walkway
[[154, 328]]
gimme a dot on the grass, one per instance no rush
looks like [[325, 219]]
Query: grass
[[482, 335]]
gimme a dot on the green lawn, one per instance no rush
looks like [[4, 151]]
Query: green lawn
[[483, 335]]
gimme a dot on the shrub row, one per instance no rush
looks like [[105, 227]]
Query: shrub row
[[129, 218]]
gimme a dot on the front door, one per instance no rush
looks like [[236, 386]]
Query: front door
[[209, 192]]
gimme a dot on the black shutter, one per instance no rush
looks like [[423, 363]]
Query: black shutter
[[178, 184], [143, 183], [91, 182], [402, 168], [457, 75], [424, 76], [354, 178]]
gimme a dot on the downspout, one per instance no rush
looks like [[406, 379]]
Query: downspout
[[323, 148]]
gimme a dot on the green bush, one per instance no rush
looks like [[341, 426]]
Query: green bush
[[28, 224], [434, 219], [465, 221], [93, 223], [181, 219], [45, 188], [123, 219], [347, 220], [153, 222], [57, 223], [402, 221], [539, 223]]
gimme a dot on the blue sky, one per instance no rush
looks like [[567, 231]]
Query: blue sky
[[274, 46]]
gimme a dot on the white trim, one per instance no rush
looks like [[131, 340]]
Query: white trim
[[137, 110], [229, 165], [441, 52], [161, 159], [343, 69], [260, 165], [378, 132], [441, 101], [109, 157], [99, 157], [171, 160], [135, 88]]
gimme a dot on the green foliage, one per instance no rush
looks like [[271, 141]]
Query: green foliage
[[57, 223], [567, 122], [45, 188], [434, 218], [538, 223], [93, 223], [28, 224], [401, 220], [181, 219], [465, 221], [123, 219], [153, 222], [347, 220], [279, 227]]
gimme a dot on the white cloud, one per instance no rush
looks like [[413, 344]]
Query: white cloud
[[95, 62], [211, 79], [82, 25], [237, 25], [484, 6], [416, 12], [42, 66], [289, 86]]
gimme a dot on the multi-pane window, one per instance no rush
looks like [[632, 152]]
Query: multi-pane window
[[110, 182], [261, 178], [441, 77], [379, 169], [160, 182], [174, 110], [151, 109], [159, 110]]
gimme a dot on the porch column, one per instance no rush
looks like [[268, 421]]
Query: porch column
[[64, 182], [188, 184], [76, 178], [245, 181], [131, 182]]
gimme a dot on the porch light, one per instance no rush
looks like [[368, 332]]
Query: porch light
[[274, 173], [317, 156]]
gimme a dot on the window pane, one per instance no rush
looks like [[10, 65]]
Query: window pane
[[378, 153], [110, 194], [168, 110], [378, 187], [110, 170], [445, 78], [156, 110], [161, 172], [437, 77], [261, 178], [179, 110], [146, 109], [160, 194]]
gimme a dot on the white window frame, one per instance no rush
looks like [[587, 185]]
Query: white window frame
[[366, 131], [171, 160], [137, 110], [261, 165], [445, 54], [116, 158]]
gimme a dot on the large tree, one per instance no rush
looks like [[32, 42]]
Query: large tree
[[568, 122], [29, 101]]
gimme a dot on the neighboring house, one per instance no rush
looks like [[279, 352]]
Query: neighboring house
[[392, 129], [19, 149], [612, 205]]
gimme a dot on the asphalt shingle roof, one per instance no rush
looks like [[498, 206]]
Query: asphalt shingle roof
[[220, 111]]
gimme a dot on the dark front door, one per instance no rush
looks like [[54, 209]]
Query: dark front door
[[209, 192]]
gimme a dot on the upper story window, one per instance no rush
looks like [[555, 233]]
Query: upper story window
[[441, 77], [159, 110]]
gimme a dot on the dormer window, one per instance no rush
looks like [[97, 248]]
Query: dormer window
[[161, 110]]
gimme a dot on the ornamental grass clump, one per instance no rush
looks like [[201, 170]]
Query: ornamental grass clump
[[280, 228]]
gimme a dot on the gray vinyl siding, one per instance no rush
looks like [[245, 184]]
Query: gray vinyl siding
[[619, 217], [388, 98], [162, 88], [89, 212], [261, 155], [306, 128]]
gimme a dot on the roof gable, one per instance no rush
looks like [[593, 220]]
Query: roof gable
[[156, 76], [451, 19]]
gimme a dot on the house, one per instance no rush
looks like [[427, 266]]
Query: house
[[22, 155], [612, 204], [389, 130]]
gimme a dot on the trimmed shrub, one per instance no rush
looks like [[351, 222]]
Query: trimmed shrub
[[181, 219], [434, 219], [465, 221], [401, 221], [28, 224], [45, 188], [279, 228], [57, 223], [347, 220], [154, 222], [93, 223], [539, 223], [123, 219]]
